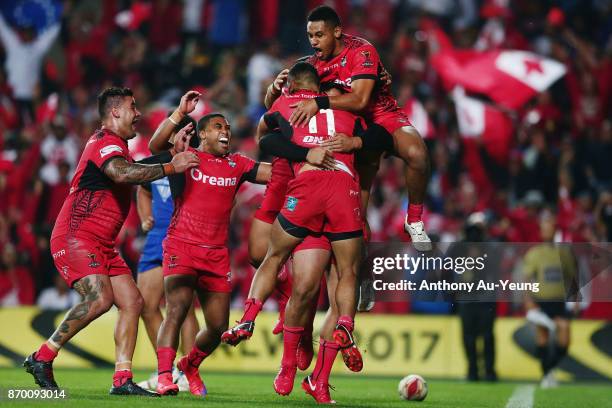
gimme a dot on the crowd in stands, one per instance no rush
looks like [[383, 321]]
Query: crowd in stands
[[230, 50]]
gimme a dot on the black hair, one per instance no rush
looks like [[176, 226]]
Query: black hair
[[195, 141], [304, 72], [206, 118], [111, 97], [325, 14]]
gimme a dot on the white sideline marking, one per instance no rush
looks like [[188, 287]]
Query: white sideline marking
[[522, 397]]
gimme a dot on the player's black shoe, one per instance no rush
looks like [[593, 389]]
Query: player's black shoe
[[42, 371], [129, 388]]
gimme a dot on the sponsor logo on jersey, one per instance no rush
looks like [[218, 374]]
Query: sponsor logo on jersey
[[92, 261], [291, 203], [106, 150], [197, 175], [330, 67], [367, 62], [229, 276], [313, 139], [65, 271], [346, 83], [59, 253]]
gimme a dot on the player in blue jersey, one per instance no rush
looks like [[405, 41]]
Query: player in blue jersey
[[155, 207]]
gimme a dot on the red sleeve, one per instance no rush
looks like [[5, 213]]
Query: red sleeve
[[247, 163], [364, 63], [106, 149]]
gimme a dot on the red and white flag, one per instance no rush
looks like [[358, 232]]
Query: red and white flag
[[419, 118], [508, 77], [480, 120]]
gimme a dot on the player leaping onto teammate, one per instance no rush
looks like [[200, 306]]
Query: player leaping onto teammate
[[353, 64], [195, 250], [318, 202], [83, 239]]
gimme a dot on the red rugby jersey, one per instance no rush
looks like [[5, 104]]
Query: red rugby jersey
[[96, 207], [202, 209], [358, 60], [320, 127]]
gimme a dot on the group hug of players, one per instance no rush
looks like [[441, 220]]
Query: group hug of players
[[330, 118]]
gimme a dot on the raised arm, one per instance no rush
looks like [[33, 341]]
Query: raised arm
[[7, 35], [160, 140], [275, 88], [45, 39]]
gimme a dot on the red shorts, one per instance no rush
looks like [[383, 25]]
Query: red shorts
[[274, 197], [313, 242], [76, 257], [210, 265], [391, 120], [324, 202]]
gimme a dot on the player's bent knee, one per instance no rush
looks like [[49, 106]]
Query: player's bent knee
[[101, 305], [417, 155], [304, 294], [134, 304]]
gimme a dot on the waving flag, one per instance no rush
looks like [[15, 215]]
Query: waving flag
[[419, 118], [508, 77], [480, 120]]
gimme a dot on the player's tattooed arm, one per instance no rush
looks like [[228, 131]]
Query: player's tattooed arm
[[119, 170]]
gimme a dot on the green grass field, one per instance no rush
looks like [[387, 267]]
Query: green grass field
[[90, 388]]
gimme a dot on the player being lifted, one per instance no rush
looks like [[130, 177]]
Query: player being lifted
[[195, 250], [83, 239], [353, 64], [318, 202]]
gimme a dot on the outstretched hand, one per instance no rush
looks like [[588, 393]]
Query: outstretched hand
[[321, 157], [184, 161], [342, 143], [303, 112], [189, 102], [182, 138]]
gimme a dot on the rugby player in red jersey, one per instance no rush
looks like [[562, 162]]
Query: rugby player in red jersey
[[312, 253], [83, 239], [195, 250], [273, 200], [318, 202], [353, 64]]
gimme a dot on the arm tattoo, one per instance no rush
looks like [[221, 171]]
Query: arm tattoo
[[121, 171]]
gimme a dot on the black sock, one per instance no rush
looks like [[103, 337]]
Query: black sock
[[558, 355], [542, 353]]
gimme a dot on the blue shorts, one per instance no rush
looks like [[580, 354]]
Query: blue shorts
[[152, 255]]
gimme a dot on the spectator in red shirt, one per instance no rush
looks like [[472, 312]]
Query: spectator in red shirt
[[16, 284]]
